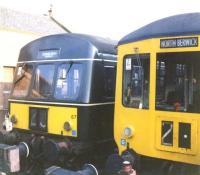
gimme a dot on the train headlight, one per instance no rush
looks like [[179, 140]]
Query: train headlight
[[13, 119], [67, 126], [128, 132]]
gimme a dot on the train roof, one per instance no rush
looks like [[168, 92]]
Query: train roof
[[178, 25], [67, 46]]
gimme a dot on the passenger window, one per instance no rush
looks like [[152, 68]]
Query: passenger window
[[136, 81], [178, 82]]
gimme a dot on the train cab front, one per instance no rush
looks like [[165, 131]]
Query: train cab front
[[157, 105], [37, 112], [51, 119]]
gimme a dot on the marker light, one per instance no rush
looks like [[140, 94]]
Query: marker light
[[13, 119], [128, 132], [67, 126]]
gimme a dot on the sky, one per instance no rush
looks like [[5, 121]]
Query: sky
[[107, 18]]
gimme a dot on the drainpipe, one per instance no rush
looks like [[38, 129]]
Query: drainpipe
[[55, 21]]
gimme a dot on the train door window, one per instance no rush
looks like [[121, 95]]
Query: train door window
[[136, 81], [43, 81], [22, 80], [178, 82], [109, 80], [68, 81]]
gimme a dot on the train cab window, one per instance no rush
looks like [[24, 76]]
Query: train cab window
[[68, 81], [178, 82], [109, 80], [22, 80], [136, 81], [43, 81]]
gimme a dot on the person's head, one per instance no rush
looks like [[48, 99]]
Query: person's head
[[127, 167]]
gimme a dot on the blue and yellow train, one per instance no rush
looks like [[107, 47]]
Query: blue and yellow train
[[157, 107], [62, 102]]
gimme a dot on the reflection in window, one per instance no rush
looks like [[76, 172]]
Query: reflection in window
[[68, 81], [43, 82], [178, 82], [22, 80], [136, 81]]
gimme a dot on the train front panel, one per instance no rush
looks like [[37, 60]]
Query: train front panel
[[42, 117]]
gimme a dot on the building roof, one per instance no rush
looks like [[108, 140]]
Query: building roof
[[67, 46], [178, 25], [39, 24]]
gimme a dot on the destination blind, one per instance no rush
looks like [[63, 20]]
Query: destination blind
[[179, 42], [49, 54]]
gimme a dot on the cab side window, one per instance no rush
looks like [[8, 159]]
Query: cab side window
[[136, 81], [109, 80]]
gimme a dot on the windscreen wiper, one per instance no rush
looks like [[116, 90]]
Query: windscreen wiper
[[70, 66]]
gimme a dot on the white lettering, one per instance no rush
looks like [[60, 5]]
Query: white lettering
[[168, 43], [179, 42]]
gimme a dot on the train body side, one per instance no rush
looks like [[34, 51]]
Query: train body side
[[161, 126]]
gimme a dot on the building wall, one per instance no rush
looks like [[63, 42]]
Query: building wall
[[10, 44]]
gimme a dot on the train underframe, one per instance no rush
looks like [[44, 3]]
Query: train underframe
[[40, 154], [37, 153]]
